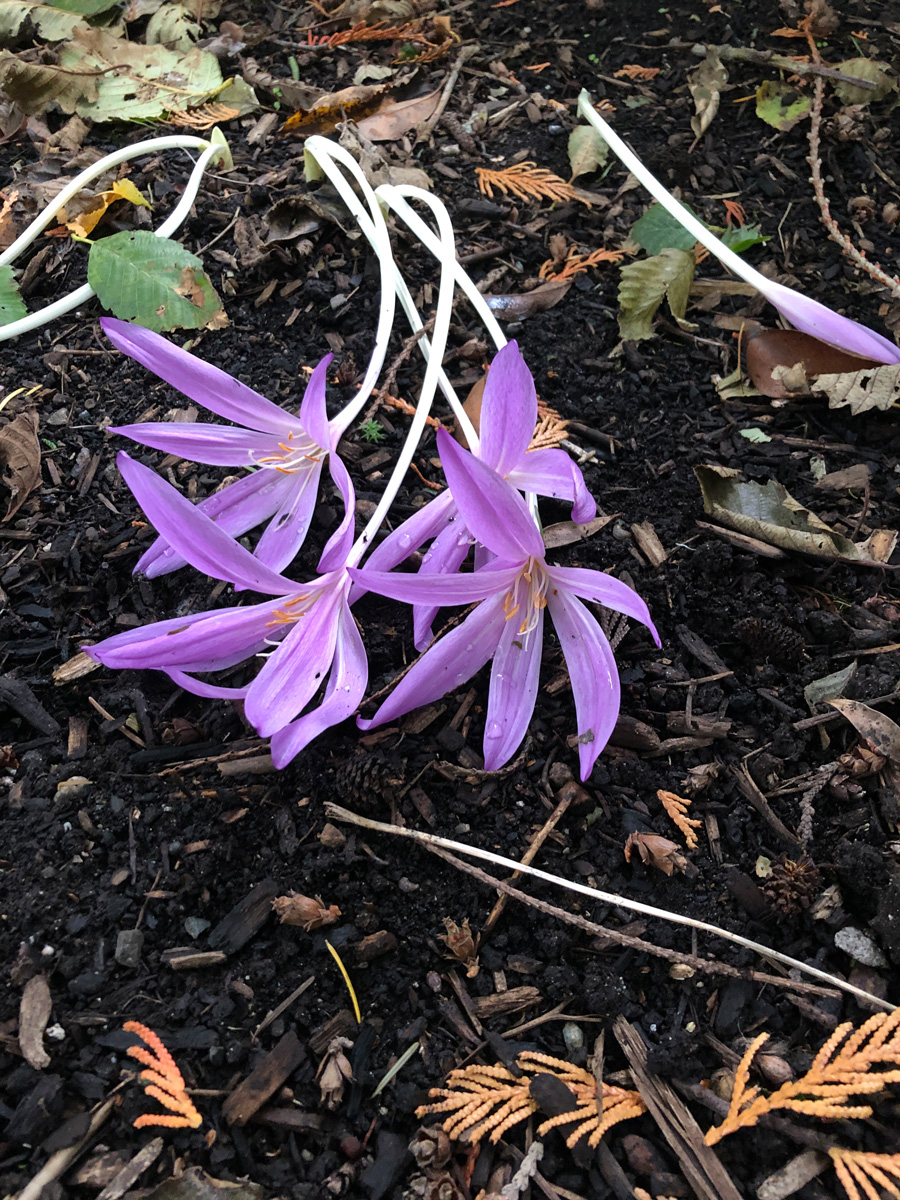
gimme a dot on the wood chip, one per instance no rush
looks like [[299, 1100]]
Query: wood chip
[[793, 1175], [133, 1170], [649, 544], [512, 1000], [252, 1093], [34, 1013], [247, 916], [77, 667], [184, 958]]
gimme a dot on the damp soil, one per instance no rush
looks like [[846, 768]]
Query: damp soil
[[145, 833]]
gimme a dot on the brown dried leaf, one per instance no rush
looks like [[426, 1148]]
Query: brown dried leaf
[[351, 103], [705, 86], [34, 1013], [459, 941], [773, 357], [393, 118], [539, 299], [306, 911], [20, 458], [879, 730], [655, 851], [873, 385], [334, 1072]]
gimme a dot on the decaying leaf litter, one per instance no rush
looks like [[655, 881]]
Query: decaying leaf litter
[[147, 834]]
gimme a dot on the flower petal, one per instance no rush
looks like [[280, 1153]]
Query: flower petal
[[603, 589], [346, 686], [198, 380], [445, 557], [285, 534], [293, 673], [413, 533], [215, 445], [449, 663], [210, 691], [334, 556], [239, 506], [553, 473], [192, 534], [514, 683], [443, 590], [491, 508], [593, 673], [508, 410], [809, 316], [313, 415]]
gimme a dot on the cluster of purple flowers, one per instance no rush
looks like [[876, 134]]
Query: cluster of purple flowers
[[306, 631]]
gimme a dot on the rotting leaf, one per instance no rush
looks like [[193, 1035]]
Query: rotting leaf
[[587, 151], [882, 734], [53, 22], [539, 299], [705, 86], [566, 533], [829, 687], [195, 1184], [352, 103], [173, 26], [643, 285], [20, 458], [393, 118], [12, 306], [90, 217], [35, 87], [872, 386], [781, 362], [656, 851], [768, 512], [781, 106], [874, 72]]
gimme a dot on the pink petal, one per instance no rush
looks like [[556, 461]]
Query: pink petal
[[284, 536], [215, 445], [508, 410], [553, 473], [514, 683], [605, 590], [334, 556], [443, 590]]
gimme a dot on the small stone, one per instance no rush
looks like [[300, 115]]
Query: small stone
[[332, 838], [74, 786], [129, 946], [860, 946], [195, 926]]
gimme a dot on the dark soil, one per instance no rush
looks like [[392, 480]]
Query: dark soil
[[131, 805]]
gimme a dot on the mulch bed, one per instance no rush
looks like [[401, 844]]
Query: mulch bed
[[145, 831]]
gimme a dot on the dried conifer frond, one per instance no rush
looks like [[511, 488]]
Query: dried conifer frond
[[576, 264], [204, 117], [163, 1081], [676, 808], [636, 72], [838, 1074], [870, 1171], [492, 1099], [361, 32], [551, 428], [525, 181]]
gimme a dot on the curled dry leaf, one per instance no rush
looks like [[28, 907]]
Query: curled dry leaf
[[462, 945], [20, 460], [334, 1072], [393, 118], [786, 362], [882, 734], [306, 911], [705, 86], [769, 513], [539, 299], [656, 851], [869, 386]]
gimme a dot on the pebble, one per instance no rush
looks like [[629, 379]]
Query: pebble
[[860, 946], [129, 947]]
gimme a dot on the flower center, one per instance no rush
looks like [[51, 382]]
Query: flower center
[[294, 609], [527, 597], [298, 453]]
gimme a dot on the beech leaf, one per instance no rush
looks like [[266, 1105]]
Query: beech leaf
[[879, 730], [871, 387], [34, 87], [785, 362], [643, 285], [706, 85], [51, 22], [768, 512], [20, 460], [868, 69], [587, 151], [781, 106]]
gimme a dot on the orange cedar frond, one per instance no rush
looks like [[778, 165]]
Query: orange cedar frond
[[525, 181], [840, 1072], [361, 32], [734, 212], [204, 117], [638, 73], [676, 808], [162, 1080], [576, 264], [854, 1167], [787, 32]]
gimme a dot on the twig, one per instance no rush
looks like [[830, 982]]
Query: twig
[[335, 812], [770, 58], [390, 377], [59, 1162], [427, 127], [834, 231]]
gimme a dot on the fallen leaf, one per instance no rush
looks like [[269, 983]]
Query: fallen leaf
[[306, 911], [767, 511], [393, 118], [781, 106], [643, 285], [879, 730], [462, 945], [705, 86], [782, 362], [20, 458], [855, 478], [864, 68], [566, 533], [331, 107], [587, 151], [656, 851], [539, 299], [34, 1013], [872, 386], [90, 217], [829, 687]]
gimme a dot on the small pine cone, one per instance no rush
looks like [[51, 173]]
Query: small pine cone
[[770, 639], [793, 884], [367, 773]]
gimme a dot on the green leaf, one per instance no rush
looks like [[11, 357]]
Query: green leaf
[[587, 150], [50, 21], [755, 435], [643, 286], [153, 281], [85, 8], [12, 306], [658, 230], [781, 106], [742, 237], [172, 26], [864, 68]]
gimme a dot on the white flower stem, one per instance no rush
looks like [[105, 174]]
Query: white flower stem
[[335, 812], [727, 257], [175, 219]]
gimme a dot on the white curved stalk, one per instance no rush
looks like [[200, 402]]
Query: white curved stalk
[[809, 316], [335, 812], [175, 219]]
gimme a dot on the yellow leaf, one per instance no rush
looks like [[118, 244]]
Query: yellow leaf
[[86, 221]]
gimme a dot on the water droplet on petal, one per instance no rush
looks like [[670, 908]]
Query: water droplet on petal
[[169, 553], [405, 541], [493, 731]]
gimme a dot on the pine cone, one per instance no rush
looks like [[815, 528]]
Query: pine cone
[[770, 639], [366, 774], [793, 884]]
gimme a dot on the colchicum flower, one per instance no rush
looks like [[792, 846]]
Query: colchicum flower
[[288, 450], [507, 625], [303, 633], [508, 418]]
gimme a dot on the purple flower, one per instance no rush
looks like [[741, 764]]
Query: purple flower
[[508, 417], [301, 635], [507, 625], [288, 449]]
